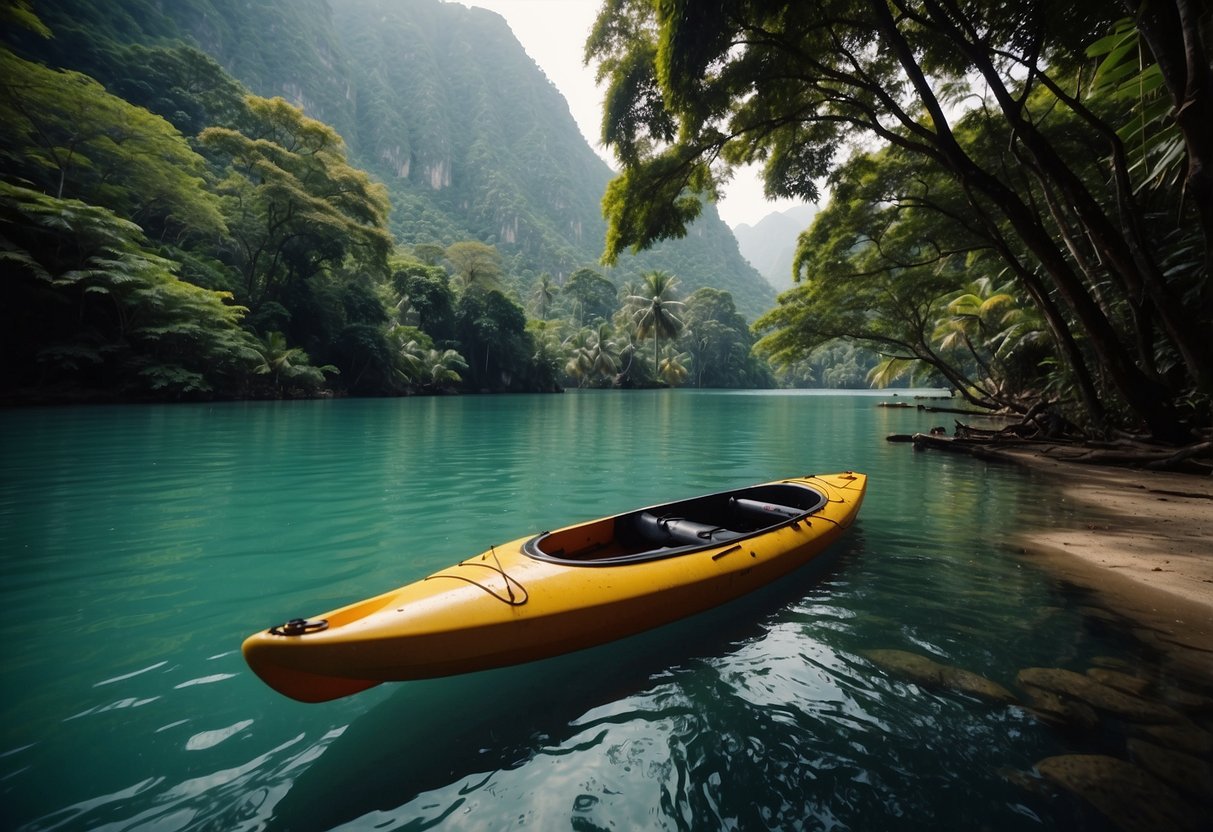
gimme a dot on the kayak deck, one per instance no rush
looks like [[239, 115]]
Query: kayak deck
[[677, 528]]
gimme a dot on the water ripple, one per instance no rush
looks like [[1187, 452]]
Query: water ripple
[[205, 680], [209, 739]]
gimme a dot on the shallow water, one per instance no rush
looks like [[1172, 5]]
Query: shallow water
[[141, 544]]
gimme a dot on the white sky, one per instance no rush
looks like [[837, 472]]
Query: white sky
[[553, 33]]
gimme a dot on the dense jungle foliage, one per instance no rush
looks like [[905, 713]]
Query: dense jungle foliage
[[1022, 193], [212, 199]]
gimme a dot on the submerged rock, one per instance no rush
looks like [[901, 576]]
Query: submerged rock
[[1028, 781], [932, 674], [1124, 682], [1130, 797], [1060, 711], [1183, 771], [1112, 663], [1099, 696], [1185, 736], [1192, 703]]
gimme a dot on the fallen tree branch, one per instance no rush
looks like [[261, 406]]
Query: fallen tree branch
[[1196, 458]]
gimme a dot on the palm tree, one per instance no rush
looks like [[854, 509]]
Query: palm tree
[[549, 350], [673, 370], [543, 294], [630, 289], [283, 363], [987, 323], [411, 355], [442, 366], [577, 348], [655, 309], [601, 353], [430, 368], [970, 322], [626, 344]]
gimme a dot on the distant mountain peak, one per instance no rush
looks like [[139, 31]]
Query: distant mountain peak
[[770, 244]]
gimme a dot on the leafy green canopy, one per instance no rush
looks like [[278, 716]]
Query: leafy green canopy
[[89, 306], [885, 265], [294, 205], [69, 137], [695, 91], [718, 343]]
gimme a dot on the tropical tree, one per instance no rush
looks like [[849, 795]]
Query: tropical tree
[[67, 136], [287, 365], [423, 365], [630, 289], [592, 356], [90, 306], [842, 365], [491, 331], [425, 291], [548, 357], [439, 367], [365, 354], [577, 365], [294, 205], [409, 343], [881, 271], [591, 297], [178, 82], [719, 342], [701, 341], [476, 265], [629, 345], [673, 370], [987, 324], [655, 310], [602, 354], [543, 294], [694, 92]]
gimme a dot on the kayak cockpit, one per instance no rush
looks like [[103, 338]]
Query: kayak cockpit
[[677, 528]]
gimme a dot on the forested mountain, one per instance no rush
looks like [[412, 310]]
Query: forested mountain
[[386, 199], [439, 101]]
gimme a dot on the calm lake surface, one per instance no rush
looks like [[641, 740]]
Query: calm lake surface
[[139, 545]]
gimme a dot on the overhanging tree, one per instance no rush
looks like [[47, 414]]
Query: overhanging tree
[[694, 92]]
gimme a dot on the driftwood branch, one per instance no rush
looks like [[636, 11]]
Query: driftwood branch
[[1196, 458]]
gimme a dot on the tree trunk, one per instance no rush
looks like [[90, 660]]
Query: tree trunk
[[1172, 31], [1142, 282], [1144, 397]]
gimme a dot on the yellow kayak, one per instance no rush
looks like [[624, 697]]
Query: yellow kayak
[[560, 591]]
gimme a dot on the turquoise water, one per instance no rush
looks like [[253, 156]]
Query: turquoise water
[[141, 544]]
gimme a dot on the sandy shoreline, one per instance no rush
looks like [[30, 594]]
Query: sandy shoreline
[[1143, 540]]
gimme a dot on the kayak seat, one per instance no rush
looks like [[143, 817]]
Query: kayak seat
[[678, 531]]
